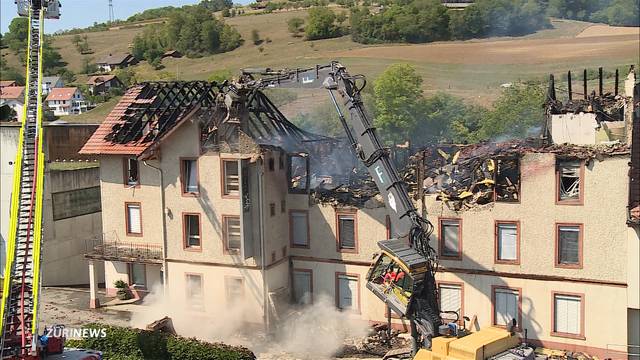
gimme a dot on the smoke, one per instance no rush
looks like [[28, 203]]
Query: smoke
[[317, 331]]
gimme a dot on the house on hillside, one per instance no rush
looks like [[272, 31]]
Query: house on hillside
[[51, 82], [101, 84], [11, 103], [226, 204], [116, 61], [7, 83], [66, 101]]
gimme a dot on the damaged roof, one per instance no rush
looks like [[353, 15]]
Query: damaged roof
[[149, 111]]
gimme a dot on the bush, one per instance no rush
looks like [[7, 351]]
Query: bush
[[295, 26], [321, 24], [255, 36], [134, 344]]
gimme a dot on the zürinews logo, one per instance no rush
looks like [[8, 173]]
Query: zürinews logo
[[61, 331]]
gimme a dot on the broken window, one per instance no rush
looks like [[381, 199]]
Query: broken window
[[507, 242], [507, 186], [569, 180], [234, 290], [346, 231], [134, 219], [298, 173], [195, 297], [231, 177], [131, 174], [231, 233], [302, 286], [450, 236], [191, 223], [347, 292], [506, 304], [568, 247], [299, 225], [450, 300], [190, 176]]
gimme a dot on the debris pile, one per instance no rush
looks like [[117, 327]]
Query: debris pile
[[378, 343], [608, 107], [359, 193], [543, 353]]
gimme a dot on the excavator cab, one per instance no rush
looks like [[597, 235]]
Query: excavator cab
[[51, 7], [397, 275]]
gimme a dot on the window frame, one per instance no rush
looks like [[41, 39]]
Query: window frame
[[292, 244], [493, 305], [575, 202], [347, 212], [183, 178], [189, 296], [130, 274], [441, 238], [517, 159], [223, 179], [225, 236], [126, 219], [185, 240], [557, 263], [227, 278], [580, 336], [496, 258], [310, 271], [337, 293], [454, 283], [125, 172]]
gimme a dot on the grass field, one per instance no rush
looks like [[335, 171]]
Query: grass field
[[472, 69]]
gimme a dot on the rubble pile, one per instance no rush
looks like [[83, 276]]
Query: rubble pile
[[361, 192], [608, 107], [544, 353], [378, 343], [465, 176]]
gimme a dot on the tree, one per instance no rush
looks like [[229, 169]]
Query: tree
[[76, 39], [88, 67], [620, 12], [295, 26], [18, 34], [397, 98], [216, 5], [321, 24], [255, 36]]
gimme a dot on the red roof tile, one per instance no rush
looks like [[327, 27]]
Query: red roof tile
[[12, 92], [5, 83], [65, 93], [97, 143], [99, 79]]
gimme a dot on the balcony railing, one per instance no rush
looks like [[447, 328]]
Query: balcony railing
[[110, 248]]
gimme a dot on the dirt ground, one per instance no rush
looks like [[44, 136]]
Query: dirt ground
[[70, 307], [606, 30]]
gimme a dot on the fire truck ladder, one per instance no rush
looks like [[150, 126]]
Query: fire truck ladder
[[22, 270]]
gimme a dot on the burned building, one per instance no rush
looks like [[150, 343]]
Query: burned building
[[210, 192]]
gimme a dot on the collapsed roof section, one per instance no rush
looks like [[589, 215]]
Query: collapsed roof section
[[228, 115]]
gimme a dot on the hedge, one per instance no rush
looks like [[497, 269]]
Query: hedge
[[133, 344]]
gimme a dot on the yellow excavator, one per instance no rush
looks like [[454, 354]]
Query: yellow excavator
[[403, 275]]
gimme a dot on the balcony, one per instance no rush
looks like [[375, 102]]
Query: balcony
[[110, 248]]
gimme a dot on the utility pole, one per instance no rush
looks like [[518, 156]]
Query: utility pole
[[111, 14]]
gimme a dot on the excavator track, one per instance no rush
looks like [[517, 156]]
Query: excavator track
[[22, 271]]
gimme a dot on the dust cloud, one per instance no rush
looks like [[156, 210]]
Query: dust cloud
[[317, 331]]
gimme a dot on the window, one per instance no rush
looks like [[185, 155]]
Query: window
[[195, 294], [272, 209], [231, 233], [507, 187], [271, 163], [450, 300], [302, 286], [568, 314], [133, 219], [284, 251], [189, 176], [131, 172], [234, 290], [347, 292], [507, 242], [506, 306], [273, 256], [192, 231], [569, 181], [298, 174], [137, 275], [231, 178], [451, 239], [299, 228], [347, 236], [389, 227], [569, 245], [283, 206], [281, 162]]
